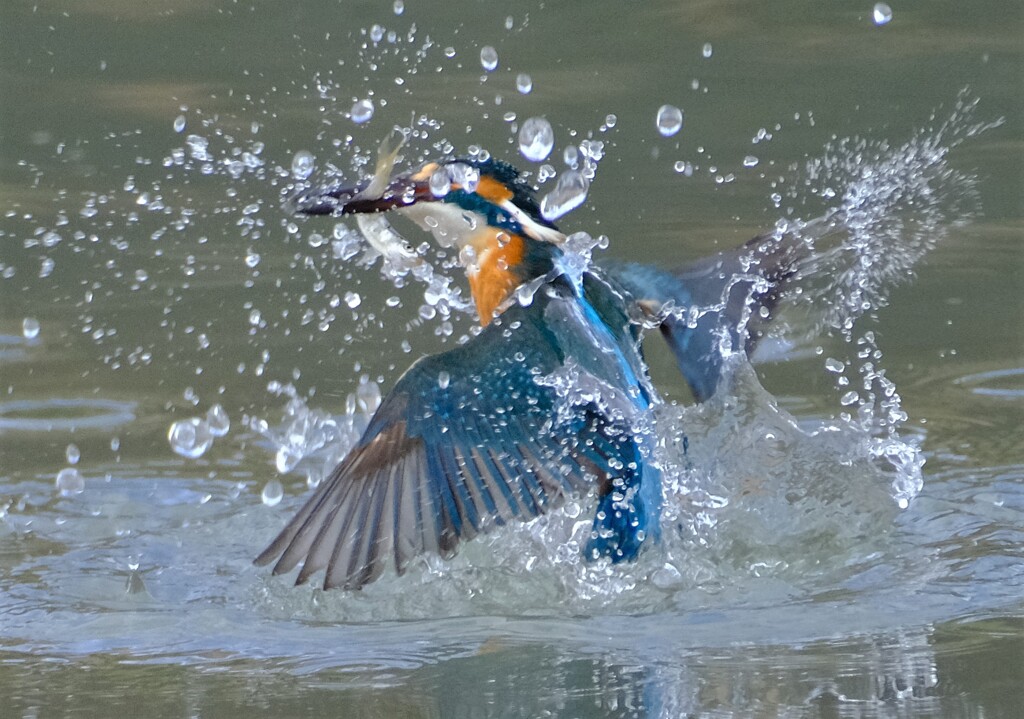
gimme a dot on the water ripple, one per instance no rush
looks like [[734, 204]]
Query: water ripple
[[49, 415], [995, 383]]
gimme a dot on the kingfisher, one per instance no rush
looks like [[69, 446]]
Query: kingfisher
[[551, 399]]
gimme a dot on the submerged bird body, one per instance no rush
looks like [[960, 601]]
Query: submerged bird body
[[549, 400]]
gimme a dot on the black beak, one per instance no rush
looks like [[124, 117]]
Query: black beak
[[339, 200]]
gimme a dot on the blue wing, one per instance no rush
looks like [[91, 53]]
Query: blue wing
[[466, 441]]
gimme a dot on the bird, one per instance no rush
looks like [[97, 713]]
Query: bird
[[550, 400]]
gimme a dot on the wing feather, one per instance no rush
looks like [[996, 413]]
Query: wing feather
[[439, 465]]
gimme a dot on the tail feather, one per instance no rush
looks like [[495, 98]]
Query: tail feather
[[726, 300]]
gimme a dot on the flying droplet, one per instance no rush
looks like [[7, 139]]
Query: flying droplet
[[399, 7], [571, 156], [536, 139], [30, 328], [218, 421], [684, 168], [707, 50], [190, 437], [834, 365], [69, 481], [569, 193], [443, 378], [287, 458], [463, 175], [669, 120], [353, 300], [882, 13], [524, 83], [302, 164], [179, 121], [750, 161], [272, 494], [488, 58], [73, 454], [440, 183], [362, 111]]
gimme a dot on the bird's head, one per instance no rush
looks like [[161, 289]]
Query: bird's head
[[484, 208]]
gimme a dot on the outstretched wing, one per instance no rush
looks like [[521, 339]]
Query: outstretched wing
[[464, 442]]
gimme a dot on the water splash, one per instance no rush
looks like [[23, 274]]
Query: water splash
[[752, 501], [895, 204], [313, 441], [748, 488]]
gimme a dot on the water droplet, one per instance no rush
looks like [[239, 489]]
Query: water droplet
[[218, 421], [69, 481], [463, 175], [666, 577], [302, 164], [536, 139], [273, 493], [524, 83], [882, 13], [488, 58], [286, 458], [669, 120], [73, 454], [440, 183], [569, 193], [750, 161], [834, 365], [179, 121], [707, 50], [362, 111], [610, 121], [352, 299], [443, 378], [399, 7], [849, 398], [571, 156], [30, 328], [190, 437]]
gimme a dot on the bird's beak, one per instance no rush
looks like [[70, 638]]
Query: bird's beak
[[380, 194], [337, 199]]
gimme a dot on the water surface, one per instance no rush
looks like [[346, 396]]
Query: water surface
[[148, 273]]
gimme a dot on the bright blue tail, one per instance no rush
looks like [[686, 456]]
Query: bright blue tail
[[725, 282]]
